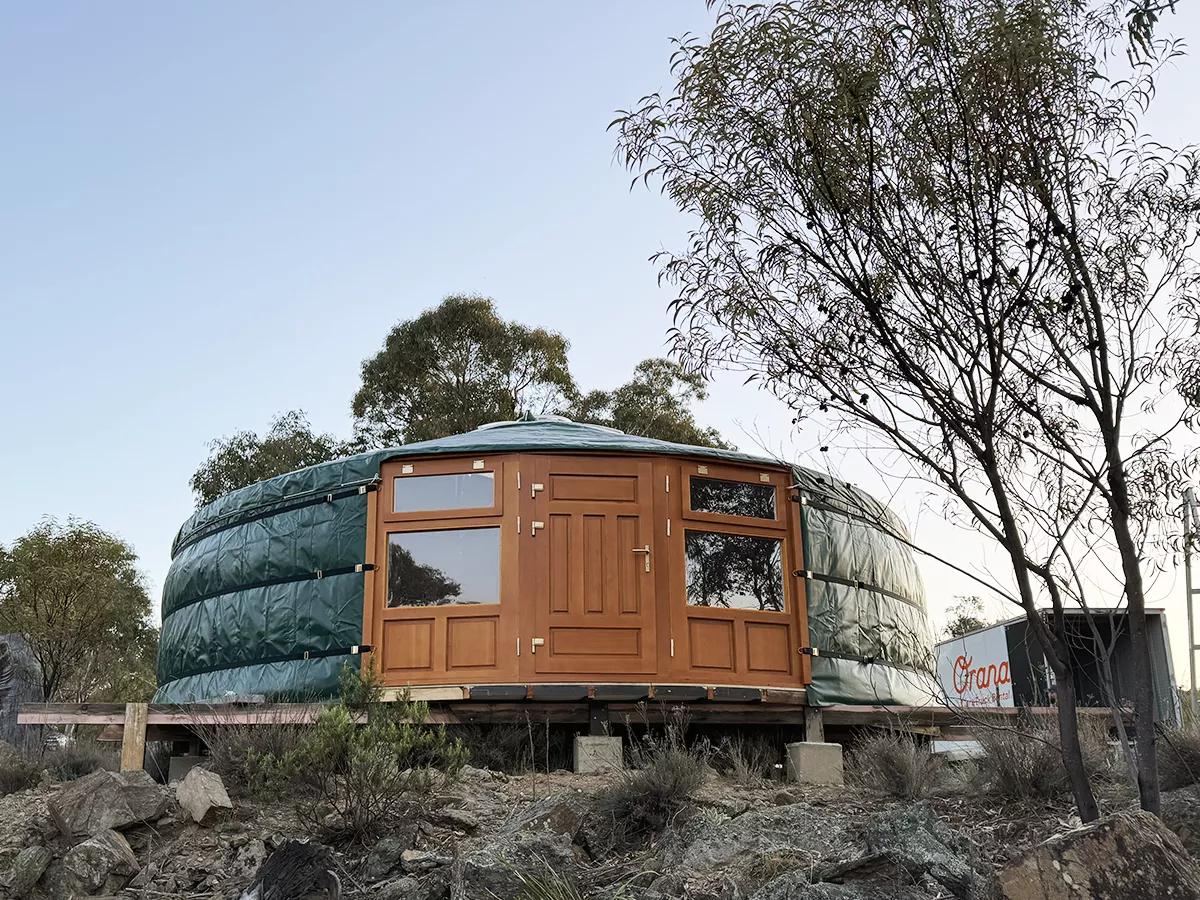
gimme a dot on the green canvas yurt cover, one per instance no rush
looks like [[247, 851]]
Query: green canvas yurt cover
[[264, 595]]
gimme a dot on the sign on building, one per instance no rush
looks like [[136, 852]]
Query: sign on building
[[975, 669]]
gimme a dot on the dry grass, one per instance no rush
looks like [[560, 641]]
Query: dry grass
[[895, 764], [749, 759], [1179, 757]]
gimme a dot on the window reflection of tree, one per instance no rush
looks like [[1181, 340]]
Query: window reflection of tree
[[734, 571], [411, 583], [733, 498]]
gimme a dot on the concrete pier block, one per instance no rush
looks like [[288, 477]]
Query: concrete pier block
[[596, 754], [810, 762]]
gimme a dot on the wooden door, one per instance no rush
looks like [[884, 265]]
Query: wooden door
[[588, 563]]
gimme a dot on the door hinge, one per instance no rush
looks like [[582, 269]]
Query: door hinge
[[672, 647], [518, 646], [668, 527], [518, 480], [518, 524], [668, 484]]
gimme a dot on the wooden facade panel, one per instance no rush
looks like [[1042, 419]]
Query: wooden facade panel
[[471, 642], [407, 644], [711, 644], [560, 563], [594, 581], [629, 566], [594, 488], [768, 647], [595, 642]]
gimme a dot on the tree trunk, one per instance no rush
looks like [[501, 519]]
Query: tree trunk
[[1143, 682], [1072, 753]]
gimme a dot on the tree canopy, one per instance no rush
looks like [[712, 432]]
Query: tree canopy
[[655, 403], [939, 222], [455, 367], [246, 458], [75, 594]]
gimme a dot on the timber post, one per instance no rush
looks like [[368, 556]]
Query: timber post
[[133, 738], [814, 725]]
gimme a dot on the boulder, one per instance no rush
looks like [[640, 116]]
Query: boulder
[[26, 869], [103, 862], [458, 819], [796, 829], [108, 800], [1128, 854], [920, 843], [401, 889], [1180, 810], [384, 857], [200, 793], [796, 886], [296, 869], [561, 813], [417, 862], [486, 868]]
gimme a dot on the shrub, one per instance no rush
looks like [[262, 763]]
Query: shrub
[[517, 748], [76, 760], [245, 755], [666, 774], [1025, 762], [749, 759], [895, 764], [1179, 757], [351, 779], [17, 772]]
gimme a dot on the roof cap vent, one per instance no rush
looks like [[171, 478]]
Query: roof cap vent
[[528, 418]]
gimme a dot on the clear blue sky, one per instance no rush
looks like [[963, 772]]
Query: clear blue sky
[[212, 213]]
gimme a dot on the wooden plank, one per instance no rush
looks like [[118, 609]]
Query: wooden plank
[[133, 740], [814, 725], [427, 694], [797, 696]]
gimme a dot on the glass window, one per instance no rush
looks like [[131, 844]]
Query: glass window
[[735, 571], [733, 498], [469, 490], [440, 568]]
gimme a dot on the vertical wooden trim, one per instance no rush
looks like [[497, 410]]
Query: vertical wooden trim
[[133, 739], [369, 601], [800, 588]]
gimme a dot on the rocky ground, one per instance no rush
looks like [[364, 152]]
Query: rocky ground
[[489, 835]]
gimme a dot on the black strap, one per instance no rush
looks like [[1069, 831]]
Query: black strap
[[862, 585], [353, 650], [271, 582], [865, 660], [274, 508]]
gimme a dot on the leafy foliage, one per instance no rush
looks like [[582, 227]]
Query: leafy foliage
[[350, 778], [655, 403], [966, 616], [75, 593], [941, 221], [456, 367], [246, 458]]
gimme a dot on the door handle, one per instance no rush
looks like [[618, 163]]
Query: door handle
[[645, 550]]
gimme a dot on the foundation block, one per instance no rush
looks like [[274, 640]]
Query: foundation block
[[809, 762], [597, 754]]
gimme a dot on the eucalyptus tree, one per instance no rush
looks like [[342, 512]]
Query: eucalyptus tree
[[939, 221]]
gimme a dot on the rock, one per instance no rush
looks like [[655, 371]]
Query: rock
[[104, 861], [415, 862], [916, 840], [108, 800], [470, 773], [401, 889], [796, 886], [561, 813], [199, 793], [459, 819], [796, 829], [785, 798], [384, 858], [297, 869], [1128, 854], [1180, 812], [26, 869], [486, 868]]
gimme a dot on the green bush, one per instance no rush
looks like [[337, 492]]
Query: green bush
[[361, 765], [894, 764], [245, 755]]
